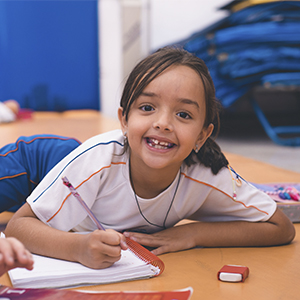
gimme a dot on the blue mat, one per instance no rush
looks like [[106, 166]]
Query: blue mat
[[252, 47]]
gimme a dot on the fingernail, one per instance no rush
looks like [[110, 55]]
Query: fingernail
[[124, 244]]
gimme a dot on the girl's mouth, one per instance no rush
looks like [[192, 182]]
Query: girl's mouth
[[159, 144]]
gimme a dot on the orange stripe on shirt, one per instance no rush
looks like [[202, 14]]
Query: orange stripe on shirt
[[17, 175], [106, 167], [211, 186], [38, 138], [13, 176]]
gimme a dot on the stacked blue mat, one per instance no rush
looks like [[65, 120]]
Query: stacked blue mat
[[258, 45]]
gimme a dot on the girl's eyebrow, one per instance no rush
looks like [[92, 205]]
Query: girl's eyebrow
[[181, 100], [189, 101], [149, 94]]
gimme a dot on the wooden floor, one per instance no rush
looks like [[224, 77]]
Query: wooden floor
[[81, 124], [84, 124]]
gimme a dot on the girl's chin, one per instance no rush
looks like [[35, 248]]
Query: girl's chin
[[159, 164]]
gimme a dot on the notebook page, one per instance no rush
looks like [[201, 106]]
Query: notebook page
[[50, 272]]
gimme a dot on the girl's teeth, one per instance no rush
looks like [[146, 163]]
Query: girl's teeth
[[159, 145]]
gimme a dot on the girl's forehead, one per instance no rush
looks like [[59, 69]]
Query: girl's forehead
[[178, 78], [176, 73]]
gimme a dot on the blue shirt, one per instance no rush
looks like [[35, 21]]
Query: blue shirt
[[25, 163]]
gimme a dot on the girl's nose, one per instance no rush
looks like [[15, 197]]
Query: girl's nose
[[163, 122]]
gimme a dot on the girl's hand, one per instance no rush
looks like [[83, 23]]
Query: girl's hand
[[13, 254], [278, 230], [100, 249], [170, 240]]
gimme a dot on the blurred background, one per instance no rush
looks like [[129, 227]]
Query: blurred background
[[65, 55]]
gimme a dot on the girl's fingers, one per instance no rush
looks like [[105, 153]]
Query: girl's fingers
[[160, 250], [164, 241], [109, 237], [26, 260], [109, 243], [144, 239], [7, 252], [112, 237], [123, 243], [13, 254], [110, 251], [22, 254]]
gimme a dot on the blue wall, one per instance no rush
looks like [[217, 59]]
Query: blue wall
[[49, 54]]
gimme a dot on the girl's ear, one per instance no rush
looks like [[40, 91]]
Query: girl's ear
[[122, 119], [204, 135]]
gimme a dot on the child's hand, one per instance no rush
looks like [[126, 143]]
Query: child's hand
[[170, 240], [13, 254], [101, 249]]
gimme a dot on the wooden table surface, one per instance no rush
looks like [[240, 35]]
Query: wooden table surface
[[274, 271]]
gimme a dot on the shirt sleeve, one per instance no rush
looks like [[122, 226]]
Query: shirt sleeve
[[231, 198], [52, 201]]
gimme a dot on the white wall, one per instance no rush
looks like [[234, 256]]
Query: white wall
[[110, 55], [161, 22], [174, 20]]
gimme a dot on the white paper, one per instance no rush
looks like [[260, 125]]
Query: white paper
[[54, 273]]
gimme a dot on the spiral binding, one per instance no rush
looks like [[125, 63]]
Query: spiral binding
[[145, 255]]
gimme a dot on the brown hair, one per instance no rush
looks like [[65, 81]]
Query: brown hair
[[149, 68]]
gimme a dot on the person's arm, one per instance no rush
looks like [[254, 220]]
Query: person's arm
[[278, 230], [14, 255], [98, 249]]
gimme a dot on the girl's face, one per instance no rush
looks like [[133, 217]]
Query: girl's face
[[166, 121]]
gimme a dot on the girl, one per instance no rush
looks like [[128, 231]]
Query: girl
[[162, 167]]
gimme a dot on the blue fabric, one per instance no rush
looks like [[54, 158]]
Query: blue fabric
[[49, 54], [285, 79], [275, 32], [249, 44], [25, 163], [259, 60], [257, 45], [276, 11]]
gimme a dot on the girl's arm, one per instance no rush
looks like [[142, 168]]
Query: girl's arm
[[98, 249], [278, 230]]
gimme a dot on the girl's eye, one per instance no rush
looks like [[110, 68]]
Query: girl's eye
[[146, 108], [184, 115]]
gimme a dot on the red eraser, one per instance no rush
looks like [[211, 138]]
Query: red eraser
[[233, 273]]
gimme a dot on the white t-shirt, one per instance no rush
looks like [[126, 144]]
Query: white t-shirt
[[100, 173]]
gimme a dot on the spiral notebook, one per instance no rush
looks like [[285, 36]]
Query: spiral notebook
[[135, 263]]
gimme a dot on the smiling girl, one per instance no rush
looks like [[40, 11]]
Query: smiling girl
[[161, 167]]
